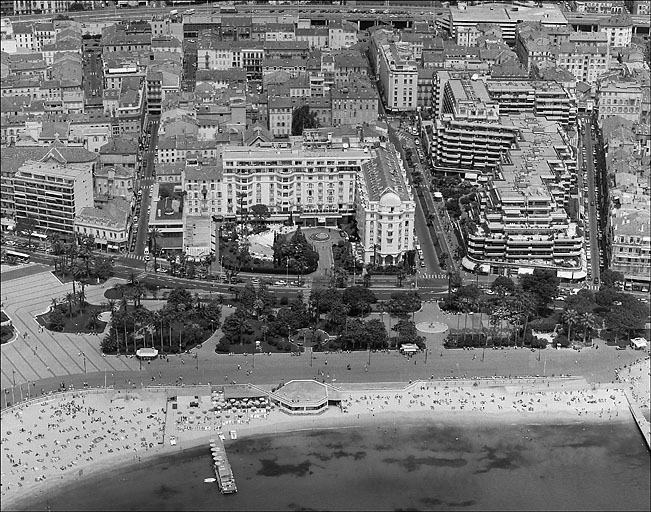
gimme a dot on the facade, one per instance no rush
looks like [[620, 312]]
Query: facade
[[280, 110], [385, 208], [619, 29], [631, 244], [40, 6], [109, 225], [398, 74], [114, 181], [619, 98], [53, 193], [354, 103], [317, 186], [341, 34], [470, 134]]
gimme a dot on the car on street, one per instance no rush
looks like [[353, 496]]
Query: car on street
[[11, 242], [417, 142], [422, 264], [147, 258], [161, 270], [280, 282]]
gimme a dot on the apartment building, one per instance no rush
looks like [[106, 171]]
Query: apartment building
[[631, 243], [53, 192], [317, 186], [398, 74], [385, 208], [619, 97], [470, 134], [114, 181], [619, 29], [354, 103], [521, 222], [341, 34], [541, 98], [281, 108], [599, 6]]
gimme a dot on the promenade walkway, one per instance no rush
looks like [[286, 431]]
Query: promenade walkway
[[41, 355]]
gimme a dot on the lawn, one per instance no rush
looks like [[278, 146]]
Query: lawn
[[6, 333], [79, 322], [273, 344]]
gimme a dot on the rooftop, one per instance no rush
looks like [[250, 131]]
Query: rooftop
[[382, 174]]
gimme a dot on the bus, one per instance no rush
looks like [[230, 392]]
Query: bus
[[20, 257]]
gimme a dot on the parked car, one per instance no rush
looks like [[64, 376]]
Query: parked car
[[280, 282]]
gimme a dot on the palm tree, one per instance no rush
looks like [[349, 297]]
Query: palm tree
[[70, 297], [81, 296], [587, 320], [570, 317], [154, 235]]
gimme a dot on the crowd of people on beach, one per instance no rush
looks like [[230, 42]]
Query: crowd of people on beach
[[54, 436], [442, 396]]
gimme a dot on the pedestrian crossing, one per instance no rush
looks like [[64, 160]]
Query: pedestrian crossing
[[134, 257], [433, 276]]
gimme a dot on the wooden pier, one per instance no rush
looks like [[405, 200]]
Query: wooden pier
[[222, 467]]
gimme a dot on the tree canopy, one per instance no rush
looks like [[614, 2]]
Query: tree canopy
[[403, 303], [543, 284], [303, 118], [359, 299]]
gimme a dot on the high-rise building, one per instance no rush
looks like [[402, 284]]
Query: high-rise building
[[52, 192]]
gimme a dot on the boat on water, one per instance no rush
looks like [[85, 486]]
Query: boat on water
[[209, 480]]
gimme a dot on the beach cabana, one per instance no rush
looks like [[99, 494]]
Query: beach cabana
[[409, 348], [638, 343]]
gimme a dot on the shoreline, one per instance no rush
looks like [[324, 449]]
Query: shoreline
[[27, 496], [280, 423]]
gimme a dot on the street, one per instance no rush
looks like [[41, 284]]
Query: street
[[591, 200]]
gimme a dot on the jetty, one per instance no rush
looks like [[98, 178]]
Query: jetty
[[222, 468], [642, 423]]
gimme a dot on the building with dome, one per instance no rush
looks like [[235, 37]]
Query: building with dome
[[385, 208]]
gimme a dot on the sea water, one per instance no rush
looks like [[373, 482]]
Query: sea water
[[404, 466]]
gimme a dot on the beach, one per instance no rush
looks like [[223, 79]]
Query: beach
[[62, 440]]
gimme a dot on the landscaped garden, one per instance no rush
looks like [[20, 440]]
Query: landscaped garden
[[515, 311], [74, 315], [285, 253], [180, 325], [296, 324]]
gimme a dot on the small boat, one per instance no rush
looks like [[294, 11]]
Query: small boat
[[209, 480]]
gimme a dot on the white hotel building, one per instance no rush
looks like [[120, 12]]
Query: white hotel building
[[386, 208]]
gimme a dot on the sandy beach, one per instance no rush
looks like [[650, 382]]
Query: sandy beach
[[61, 440]]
